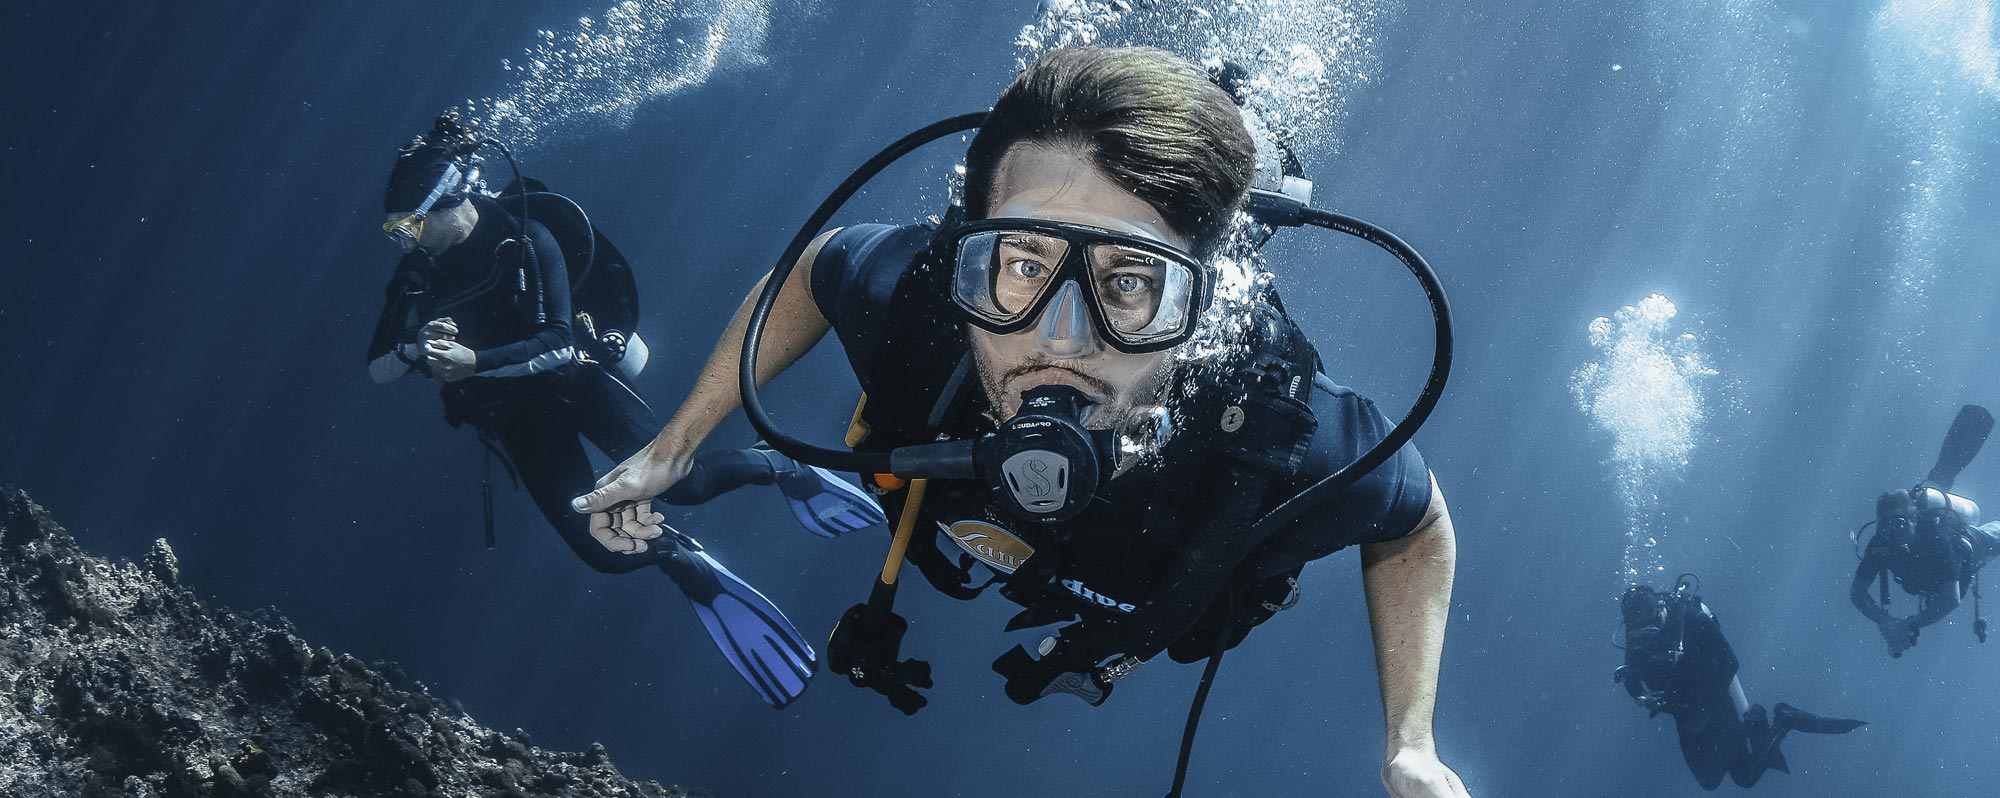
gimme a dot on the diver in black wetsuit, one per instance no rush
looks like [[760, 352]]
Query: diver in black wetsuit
[[1930, 541], [1677, 662], [482, 302], [1026, 352]]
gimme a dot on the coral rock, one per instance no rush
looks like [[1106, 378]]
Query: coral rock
[[115, 682]]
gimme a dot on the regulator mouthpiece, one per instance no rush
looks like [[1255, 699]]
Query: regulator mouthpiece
[[1042, 464]]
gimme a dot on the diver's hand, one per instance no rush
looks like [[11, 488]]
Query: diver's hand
[[1900, 634], [449, 360], [441, 329], [1417, 773], [627, 530], [621, 508]]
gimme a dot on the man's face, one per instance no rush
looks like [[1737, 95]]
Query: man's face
[[1894, 515], [1063, 346]]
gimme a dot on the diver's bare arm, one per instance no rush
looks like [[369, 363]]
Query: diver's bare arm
[[1936, 608], [795, 326], [1408, 585], [1860, 591]]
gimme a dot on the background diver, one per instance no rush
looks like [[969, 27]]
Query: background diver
[[1095, 191], [1677, 662], [524, 313], [1930, 541]]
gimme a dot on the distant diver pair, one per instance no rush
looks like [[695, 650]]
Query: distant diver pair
[[526, 315], [1678, 663], [1930, 542]]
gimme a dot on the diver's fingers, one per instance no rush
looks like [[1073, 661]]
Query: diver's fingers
[[644, 524], [618, 490], [638, 546], [602, 522], [610, 539]]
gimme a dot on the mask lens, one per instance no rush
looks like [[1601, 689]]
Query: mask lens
[[1000, 275], [1144, 296]]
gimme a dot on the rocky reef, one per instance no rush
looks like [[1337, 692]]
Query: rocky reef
[[115, 680]]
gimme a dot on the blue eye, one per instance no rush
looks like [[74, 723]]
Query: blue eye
[[1130, 283]]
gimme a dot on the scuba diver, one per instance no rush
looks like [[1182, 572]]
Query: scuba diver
[[1026, 366], [1930, 540], [1677, 662], [524, 313]]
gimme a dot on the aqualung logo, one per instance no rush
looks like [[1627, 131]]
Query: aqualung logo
[[991, 544], [1085, 593]]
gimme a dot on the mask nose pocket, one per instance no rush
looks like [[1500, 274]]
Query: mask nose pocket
[[1065, 325]]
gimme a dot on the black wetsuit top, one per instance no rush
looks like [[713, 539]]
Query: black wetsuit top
[[513, 312], [1699, 677], [1111, 557]]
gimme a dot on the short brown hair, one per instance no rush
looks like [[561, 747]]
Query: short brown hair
[[1150, 121]]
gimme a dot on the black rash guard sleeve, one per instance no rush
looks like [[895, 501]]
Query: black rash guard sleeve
[[854, 280], [549, 346], [396, 333]]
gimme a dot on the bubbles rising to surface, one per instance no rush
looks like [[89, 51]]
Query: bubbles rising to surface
[[605, 67], [1646, 387], [1304, 57]]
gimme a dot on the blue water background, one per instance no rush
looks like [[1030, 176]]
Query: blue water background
[[189, 271]]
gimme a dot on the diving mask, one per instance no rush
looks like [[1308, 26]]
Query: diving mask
[[408, 231], [1143, 295]]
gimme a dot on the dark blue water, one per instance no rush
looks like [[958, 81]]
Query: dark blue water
[[192, 269]]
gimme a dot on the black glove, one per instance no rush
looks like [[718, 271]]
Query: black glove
[[867, 654]]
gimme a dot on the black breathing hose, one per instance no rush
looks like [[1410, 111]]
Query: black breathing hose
[[879, 462], [753, 407], [1287, 213], [1427, 401]]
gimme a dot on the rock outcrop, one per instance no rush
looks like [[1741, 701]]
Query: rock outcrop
[[115, 680]]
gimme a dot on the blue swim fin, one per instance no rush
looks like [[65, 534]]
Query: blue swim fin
[[754, 636], [825, 504]]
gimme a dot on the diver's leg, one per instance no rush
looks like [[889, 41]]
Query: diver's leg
[[719, 471], [1986, 540], [1698, 748], [1759, 748], [540, 437], [620, 423], [612, 416], [609, 412]]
